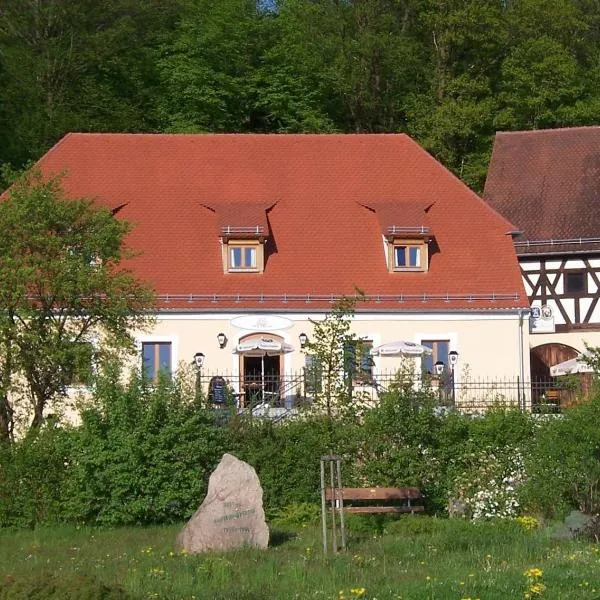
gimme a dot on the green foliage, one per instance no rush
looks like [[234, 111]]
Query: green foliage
[[564, 466], [61, 285], [295, 515], [141, 455], [32, 475], [286, 456], [334, 351]]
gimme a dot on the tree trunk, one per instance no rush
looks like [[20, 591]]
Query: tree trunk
[[6, 419]]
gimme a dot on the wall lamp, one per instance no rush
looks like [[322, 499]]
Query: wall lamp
[[222, 339], [438, 367], [199, 360], [303, 339]]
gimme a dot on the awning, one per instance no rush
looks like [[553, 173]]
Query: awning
[[263, 347], [400, 348], [574, 365]]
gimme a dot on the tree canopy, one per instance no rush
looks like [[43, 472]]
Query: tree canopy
[[448, 72], [62, 286]]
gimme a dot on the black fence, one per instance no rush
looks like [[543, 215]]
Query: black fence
[[467, 394]]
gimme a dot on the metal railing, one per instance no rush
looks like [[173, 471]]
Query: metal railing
[[467, 394]]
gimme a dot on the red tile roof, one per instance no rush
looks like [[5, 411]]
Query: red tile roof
[[547, 183], [323, 240]]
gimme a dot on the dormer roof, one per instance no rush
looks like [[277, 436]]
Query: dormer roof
[[404, 219]]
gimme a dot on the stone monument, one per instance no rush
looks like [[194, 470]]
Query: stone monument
[[232, 513]]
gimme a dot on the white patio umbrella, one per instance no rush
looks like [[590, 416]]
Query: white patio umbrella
[[263, 347], [400, 348], [574, 365]]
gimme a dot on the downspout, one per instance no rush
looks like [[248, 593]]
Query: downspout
[[522, 312]]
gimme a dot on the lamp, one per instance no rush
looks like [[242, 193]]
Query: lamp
[[453, 358], [438, 367], [199, 360], [222, 339], [303, 339]]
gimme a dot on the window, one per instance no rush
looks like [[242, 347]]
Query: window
[[439, 352], [407, 255], [575, 282], [156, 358], [358, 363], [242, 258]]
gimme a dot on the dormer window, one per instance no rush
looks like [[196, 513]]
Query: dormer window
[[408, 255], [243, 233], [243, 255], [243, 250], [406, 233]]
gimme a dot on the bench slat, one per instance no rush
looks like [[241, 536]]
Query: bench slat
[[407, 493], [383, 509]]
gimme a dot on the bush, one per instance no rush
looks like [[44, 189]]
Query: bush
[[287, 455], [141, 455], [32, 474], [564, 466]]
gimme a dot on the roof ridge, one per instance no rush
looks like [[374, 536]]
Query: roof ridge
[[547, 131]]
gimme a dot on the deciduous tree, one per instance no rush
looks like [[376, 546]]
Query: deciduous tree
[[62, 282]]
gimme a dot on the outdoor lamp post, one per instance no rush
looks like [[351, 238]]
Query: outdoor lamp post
[[198, 363], [452, 360], [438, 369]]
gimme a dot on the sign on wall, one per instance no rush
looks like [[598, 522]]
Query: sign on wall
[[261, 322], [542, 319]]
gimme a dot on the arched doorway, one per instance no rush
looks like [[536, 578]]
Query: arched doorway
[[545, 356], [547, 390], [261, 356]]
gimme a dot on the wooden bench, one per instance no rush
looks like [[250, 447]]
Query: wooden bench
[[410, 497]]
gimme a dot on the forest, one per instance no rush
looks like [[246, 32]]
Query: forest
[[450, 73]]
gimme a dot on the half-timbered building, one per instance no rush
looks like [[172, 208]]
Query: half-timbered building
[[547, 183]]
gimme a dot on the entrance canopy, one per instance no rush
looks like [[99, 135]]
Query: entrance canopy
[[400, 348], [574, 365], [263, 346]]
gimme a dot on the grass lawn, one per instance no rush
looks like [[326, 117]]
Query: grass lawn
[[416, 558]]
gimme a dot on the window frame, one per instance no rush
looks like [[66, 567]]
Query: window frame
[[570, 292], [420, 244], [153, 378], [359, 373], [435, 356], [255, 245]]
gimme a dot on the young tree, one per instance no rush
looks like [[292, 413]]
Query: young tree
[[61, 283], [335, 350]]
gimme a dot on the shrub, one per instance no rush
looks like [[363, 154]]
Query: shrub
[[287, 455], [297, 514], [32, 474], [564, 466], [141, 455], [487, 487]]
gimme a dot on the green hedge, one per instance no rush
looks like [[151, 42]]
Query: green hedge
[[143, 455]]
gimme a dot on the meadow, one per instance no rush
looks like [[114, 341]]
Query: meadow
[[413, 558]]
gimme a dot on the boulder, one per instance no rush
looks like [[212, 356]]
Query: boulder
[[231, 514]]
